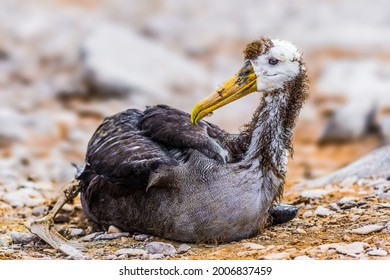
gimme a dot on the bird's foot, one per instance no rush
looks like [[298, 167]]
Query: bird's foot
[[282, 213], [44, 229]]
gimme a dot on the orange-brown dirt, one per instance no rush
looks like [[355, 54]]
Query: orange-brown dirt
[[312, 236]]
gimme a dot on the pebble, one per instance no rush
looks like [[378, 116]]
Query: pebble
[[253, 246], [377, 182], [348, 182], [50, 251], [76, 231], [322, 211], [244, 253], [61, 218], [121, 257], [325, 247], [156, 256], [141, 237], [110, 236], [100, 251], [368, 229], [130, 252], [124, 239], [277, 256], [72, 252], [301, 231], [377, 252], [183, 248], [3, 243], [67, 208], [314, 193], [160, 248], [39, 210], [384, 205], [23, 238], [109, 257], [347, 238], [347, 199], [91, 237], [24, 197], [113, 229], [303, 258], [307, 214], [334, 207], [347, 202], [280, 235], [352, 249]]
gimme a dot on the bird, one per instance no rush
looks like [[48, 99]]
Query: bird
[[174, 175]]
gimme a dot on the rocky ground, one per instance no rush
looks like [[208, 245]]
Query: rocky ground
[[346, 220], [65, 65]]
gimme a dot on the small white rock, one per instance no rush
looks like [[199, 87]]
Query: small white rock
[[314, 193], [156, 256], [24, 197], [253, 246], [23, 238], [121, 257], [113, 229], [183, 248], [91, 237], [348, 182], [110, 236], [244, 253], [160, 248], [76, 231], [322, 211], [141, 237], [326, 247], [368, 229], [384, 205], [130, 252], [277, 256], [378, 252], [334, 207], [352, 249], [72, 252], [347, 199], [299, 258], [67, 208], [307, 214]]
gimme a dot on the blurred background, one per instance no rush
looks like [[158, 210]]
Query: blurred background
[[67, 64]]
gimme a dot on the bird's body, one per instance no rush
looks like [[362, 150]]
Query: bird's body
[[165, 172], [156, 172], [190, 197]]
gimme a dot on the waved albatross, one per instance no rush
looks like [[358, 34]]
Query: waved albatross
[[170, 174]]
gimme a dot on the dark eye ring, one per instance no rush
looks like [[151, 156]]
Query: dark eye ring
[[273, 61]]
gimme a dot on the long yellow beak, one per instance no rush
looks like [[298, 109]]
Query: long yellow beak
[[240, 85]]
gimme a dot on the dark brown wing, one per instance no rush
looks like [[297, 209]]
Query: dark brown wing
[[119, 152], [174, 129], [128, 146]]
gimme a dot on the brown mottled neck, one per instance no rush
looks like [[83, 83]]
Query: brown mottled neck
[[269, 134]]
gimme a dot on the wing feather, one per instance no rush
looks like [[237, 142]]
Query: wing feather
[[121, 154], [127, 147], [173, 128]]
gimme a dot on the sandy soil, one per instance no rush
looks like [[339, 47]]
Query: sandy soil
[[312, 235]]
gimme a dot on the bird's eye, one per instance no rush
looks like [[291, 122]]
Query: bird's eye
[[273, 61]]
